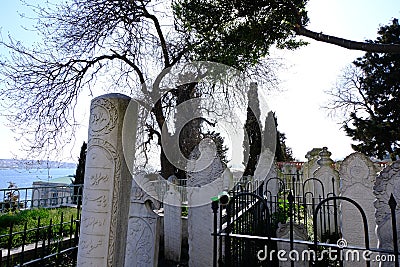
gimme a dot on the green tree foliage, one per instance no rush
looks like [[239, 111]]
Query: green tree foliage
[[283, 153], [80, 168], [219, 143], [237, 33], [79, 177], [254, 136], [369, 93], [252, 132], [248, 28]]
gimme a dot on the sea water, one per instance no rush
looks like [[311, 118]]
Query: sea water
[[23, 178]]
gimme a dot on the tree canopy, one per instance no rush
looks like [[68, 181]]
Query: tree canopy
[[255, 26], [121, 45], [100, 46], [80, 167], [369, 94], [237, 33], [252, 143]]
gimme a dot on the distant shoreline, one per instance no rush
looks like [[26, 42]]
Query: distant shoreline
[[34, 164]]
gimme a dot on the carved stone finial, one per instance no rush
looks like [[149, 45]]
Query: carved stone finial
[[312, 153], [325, 159]]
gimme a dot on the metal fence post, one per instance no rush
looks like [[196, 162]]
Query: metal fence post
[[291, 213], [392, 204], [335, 212], [214, 206]]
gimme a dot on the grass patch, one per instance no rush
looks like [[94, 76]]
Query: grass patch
[[37, 223]]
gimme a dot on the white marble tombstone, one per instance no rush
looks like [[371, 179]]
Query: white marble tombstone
[[202, 185], [387, 183], [266, 172], [266, 169], [299, 233], [357, 175], [108, 181], [308, 170], [143, 225], [172, 224], [325, 173], [311, 165]]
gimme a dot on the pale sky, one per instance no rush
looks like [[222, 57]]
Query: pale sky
[[309, 72], [314, 69]]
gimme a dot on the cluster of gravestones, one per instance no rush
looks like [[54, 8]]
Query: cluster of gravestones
[[357, 178], [120, 228]]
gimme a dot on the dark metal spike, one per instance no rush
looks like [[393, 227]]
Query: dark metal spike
[[392, 202], [290, 197]]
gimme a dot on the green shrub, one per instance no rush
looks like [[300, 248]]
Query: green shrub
[[31, 217]]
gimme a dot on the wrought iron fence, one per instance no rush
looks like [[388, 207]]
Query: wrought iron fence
[[247, 224], [52, 244], [39, 196]]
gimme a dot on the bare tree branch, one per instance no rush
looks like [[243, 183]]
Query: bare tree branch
[[349, 44]]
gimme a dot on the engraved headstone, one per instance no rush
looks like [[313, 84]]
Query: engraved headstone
[[308, 170], [387, 183], [329, 178], [326, 173], [108, 181], [202, 185], [143, 225], [311, 165], [357, 174], [206, 167], [266, 173], [200, 226], [172, 225]]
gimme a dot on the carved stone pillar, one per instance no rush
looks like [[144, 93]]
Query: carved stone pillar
[[107, 187]]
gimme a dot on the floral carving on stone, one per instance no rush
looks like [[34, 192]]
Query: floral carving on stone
[[103, 117], [103, 157], [357, 168], [140, 239]]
